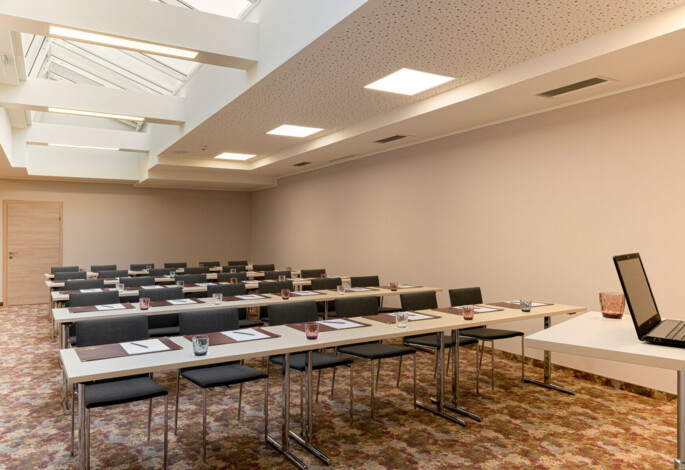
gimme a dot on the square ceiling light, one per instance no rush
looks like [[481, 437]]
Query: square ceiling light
[[234, 156], [294, 131], [408, 82]]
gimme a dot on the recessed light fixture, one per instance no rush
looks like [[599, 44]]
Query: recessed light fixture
[[114, 41], [294, 131], [408, 82], [94, 114], [83, 147], [234, 156]]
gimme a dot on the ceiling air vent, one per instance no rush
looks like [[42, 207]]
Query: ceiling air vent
[[302, 164], [573, 87], [390, 139]]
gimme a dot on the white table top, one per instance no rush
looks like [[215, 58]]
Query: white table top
[[291, 340], [592, 335]]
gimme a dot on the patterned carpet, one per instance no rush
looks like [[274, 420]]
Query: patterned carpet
[[524, 427]]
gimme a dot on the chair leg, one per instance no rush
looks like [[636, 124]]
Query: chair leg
[[435, 369], [204, 424], [414, 380], [149, 418], [266, 407], [523, 358], [399, 372], [372, 386], [332, 386], [351, 392], [492, 365], [240, 400], [166, 429], [302, 403], [318, 384], [378, 373], [449, 359], [479, 360], [178, 385], [73, 401], [86, 437]]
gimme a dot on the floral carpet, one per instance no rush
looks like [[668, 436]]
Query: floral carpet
[[524, 426]]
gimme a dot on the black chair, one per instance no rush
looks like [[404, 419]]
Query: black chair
[[78, 284], [238, 263], [472, 295], [64, 275], [191, 278], [263, 267], [227, 374], [141, 266], [111, 274], [226, 277], [429, 342], [196, 270], [166, 324], [175, 265], [359, 306], [63, 269], [319, 284], [137, 281], [372, 281], [209, 264], [230, 290], [309, 273], [239, 268], [299, 312], [84, 299], [117, 391], [103, 267], [273, 287], [273, 275]]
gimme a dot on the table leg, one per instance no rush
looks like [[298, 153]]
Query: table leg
[[284, 446], [306, 440], [439, 399], [83, 430], [454, 406], [548, 370], [679, 461]]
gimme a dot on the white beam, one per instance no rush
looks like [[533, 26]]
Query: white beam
[[8, 70], [218, 40], [41, 94], [40, 133]]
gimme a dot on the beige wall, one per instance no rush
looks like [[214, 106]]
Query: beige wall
[[119, 224], [532, 208]]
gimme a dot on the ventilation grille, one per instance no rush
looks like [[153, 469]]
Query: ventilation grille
[[573, 87], [302, 164], [390, 139]]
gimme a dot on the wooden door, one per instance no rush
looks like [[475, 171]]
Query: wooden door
[[32, 243]]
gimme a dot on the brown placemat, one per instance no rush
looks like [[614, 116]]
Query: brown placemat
[[366, 289], [514, 306], [78, 291], [217, 338], [91, 308], [400, 288], [166, 303], [110, 351], [390, 319], [323, 327], [457, 310], [233, 298]]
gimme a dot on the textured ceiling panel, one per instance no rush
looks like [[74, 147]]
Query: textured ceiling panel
[[323, 85]]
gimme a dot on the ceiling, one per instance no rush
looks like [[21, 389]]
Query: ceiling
[[310, 67]]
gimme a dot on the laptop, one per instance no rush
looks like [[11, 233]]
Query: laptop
[[648, 323]]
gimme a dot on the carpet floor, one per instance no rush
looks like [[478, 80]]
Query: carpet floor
[[524, 426]]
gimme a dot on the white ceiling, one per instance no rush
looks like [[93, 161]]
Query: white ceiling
[[501, 53]]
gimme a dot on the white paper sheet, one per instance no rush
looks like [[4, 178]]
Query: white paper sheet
[[152, 287], [245, 334], [110, 307], [405, 286], [146, 346], [305, 292], [413, 316], [249, 296], [91, 290], [181, 301], [340, 324], [358, 289], [205, 284], [477, 309]]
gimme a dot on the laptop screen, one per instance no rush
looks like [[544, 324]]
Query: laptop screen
[[638, 292]]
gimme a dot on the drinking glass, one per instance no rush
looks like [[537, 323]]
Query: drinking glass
[[200, 345], [172, 273], [401, 319], [281, 277], [232, 270], [120, 287], [467, 312], [311, 329], [526, 304], [341, 290], [285, 294], [612, 304], [393, 286], [234, 280], [180, 284], [218, 298], [148, 268], [144, 303]]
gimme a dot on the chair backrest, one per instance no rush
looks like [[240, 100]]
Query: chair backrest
[[63, 269], [238, 263], [137, 281], [312, 272], [64, 275], [419, 301], [110, 330], [325, 283], [96, 268], [141, 266], [364, 281], [274, 274], [465, 296], [226, 277], [199, 322], [168, 293], [356, 306], [263, 267], [196, 270], [296, 312], [83, 299], [226, 289], [240, 268], [175, 265], [76, 284], [274, 287], [159, 271], [113, 274], [209, 264], [191, 278]]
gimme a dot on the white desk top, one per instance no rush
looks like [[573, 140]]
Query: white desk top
[[592, 335]]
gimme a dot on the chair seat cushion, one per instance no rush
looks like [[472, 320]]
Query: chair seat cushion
[[488, 334], [249, 323], [115, 392], [222, 374], [375, 350], [431, 340], [319, 361], [165, 331]]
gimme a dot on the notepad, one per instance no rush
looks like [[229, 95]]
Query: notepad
[[110, 307], [413, 316], [249, 296], [405, 286], [204, 284], [152, 287], [307, 292], [144, 346], [340, 324], [91, 290], [357, 289], [245, 334], [181, 301], [477, 309]]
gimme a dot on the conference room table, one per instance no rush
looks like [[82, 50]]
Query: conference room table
[[592, 335], [212, 270], [288, 341]]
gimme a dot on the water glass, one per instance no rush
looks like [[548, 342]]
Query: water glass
[[281, 277], [341, 290], [467, 312], [120, 287], [393, 286], [288, 268], [172, 273], [285, 294], [526, 304], [612, 304], [401, 319], [232, 270], [323, 276], [200, 345], [148, 268], [311, 329], [144, 303], [180, 284], [218, 298]]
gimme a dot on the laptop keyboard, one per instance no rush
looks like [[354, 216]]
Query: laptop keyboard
[[678, 332]]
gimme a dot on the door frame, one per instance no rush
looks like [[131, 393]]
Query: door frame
[[5, 243]]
